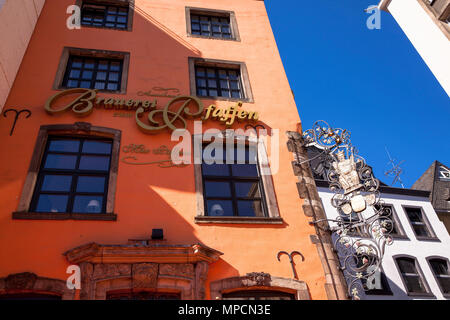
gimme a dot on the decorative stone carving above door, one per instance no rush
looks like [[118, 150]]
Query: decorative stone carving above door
[[160, 268]]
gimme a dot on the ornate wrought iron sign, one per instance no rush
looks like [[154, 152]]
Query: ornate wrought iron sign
[[360, 234]]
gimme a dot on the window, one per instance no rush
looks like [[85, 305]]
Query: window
[[217, 27], [72, 174], [112, 14], [233, 189], [93, 69], [213, 24], [418, 222], [104, 16], [93, 73], [411, 276], [440, 269], [218, 82], [239, 190], [258, 295], [388, 212]]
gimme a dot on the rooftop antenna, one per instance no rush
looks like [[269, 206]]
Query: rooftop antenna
[[395, 171]]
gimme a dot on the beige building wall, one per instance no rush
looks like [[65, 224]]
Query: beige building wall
[[17, 21]]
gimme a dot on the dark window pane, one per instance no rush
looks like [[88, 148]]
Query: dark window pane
[[247, 189], [244, 170], [101, 76], [250, 208], [99, 85], [202, 92], [57, 161], [56, 183], [96, 147], [85, 84], [414, 284], [87, 75], [94, 163], [213, 93], [72, 84], [91, 184], [64, 145], [200, 72], [88, 204], [115, 66], [407, 265], [52, 203], [113, 76], [74, 73], [220, 207], [215, 169], [77, 63], [89, 64], [103, 65], [217, 189], [112, 86]]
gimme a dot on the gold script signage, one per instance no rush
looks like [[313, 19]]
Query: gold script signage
[[140, 148], [173, 115]]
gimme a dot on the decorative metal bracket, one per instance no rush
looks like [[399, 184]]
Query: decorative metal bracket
[[360, 235], [16, 117], [291, 260]]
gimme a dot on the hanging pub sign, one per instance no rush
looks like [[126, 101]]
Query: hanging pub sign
[[172, 116]]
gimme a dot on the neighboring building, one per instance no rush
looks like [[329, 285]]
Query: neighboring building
[[416, 265], [17, 21], [426, 24], [104, 195], [436, 180]]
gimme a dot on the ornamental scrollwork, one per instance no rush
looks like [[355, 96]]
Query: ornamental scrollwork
[[361, 231]]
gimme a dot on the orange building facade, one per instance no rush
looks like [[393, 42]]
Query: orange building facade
[[93, 191]]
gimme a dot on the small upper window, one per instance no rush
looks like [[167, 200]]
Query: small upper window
[[412, 278], [105, 16], [218, 82], [93, 73], [211, 26], [441, 272], [418, 222], [73, 177]]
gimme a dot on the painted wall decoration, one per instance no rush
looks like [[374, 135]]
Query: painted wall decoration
[[140, 149], [16, 117], [160, 92]]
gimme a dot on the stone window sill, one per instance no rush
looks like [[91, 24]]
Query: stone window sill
[[238, 220], [64, 216]]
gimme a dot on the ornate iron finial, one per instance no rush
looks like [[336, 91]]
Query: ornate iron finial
[[16, 117], [360, 234]]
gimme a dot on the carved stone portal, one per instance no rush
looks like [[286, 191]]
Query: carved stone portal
[[163, 268]]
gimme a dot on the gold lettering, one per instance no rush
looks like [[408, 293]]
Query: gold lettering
[[81, 106], [242, 114], [252, 115], [208, 112]]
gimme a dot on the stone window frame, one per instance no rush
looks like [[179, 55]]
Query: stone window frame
[[77, 129], [212, 12], [433, 236], [446, 295], [428, 292], [269, 198], [259, 281], [28, 282], [245, 80], [131, 7], [94, 53]]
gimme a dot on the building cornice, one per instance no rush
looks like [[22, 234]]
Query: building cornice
[[97, 253]]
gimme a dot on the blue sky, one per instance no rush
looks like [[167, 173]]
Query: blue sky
[[371, 82]]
